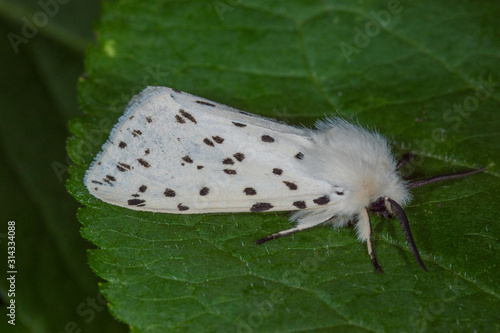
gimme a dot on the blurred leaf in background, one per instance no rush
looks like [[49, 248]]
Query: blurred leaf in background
[[423, 73], [42, 48]]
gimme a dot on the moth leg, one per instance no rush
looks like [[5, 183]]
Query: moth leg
[[367, 232], [281, 234], [402, 162], [385, 214], [378, 268]]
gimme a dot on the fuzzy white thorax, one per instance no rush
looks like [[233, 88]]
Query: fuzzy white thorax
[[360, 164]]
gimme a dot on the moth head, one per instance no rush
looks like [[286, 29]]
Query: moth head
[[386, 206]]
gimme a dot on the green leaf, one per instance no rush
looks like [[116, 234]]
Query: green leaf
[[424, 74]]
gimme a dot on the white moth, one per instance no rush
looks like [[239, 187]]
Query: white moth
[[172, 152]]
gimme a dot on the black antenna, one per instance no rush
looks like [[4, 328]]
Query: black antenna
[[396, 209], [435, 179], [406, 158]]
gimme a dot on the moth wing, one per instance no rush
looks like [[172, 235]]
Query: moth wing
[[174, 152]]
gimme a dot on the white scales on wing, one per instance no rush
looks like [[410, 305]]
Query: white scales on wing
[[176, 153]]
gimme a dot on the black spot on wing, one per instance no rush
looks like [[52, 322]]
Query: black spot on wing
[[182, 207], [205, 103], [136, 133], [122, 144], [239, 124], [300, 204], [146, 151], [208, 142], [96, 182], [218, 139], [267, 138], [204, 191], [277, 171], [187, 115], [144, 163], [177, 91], [256, 116], [261, 207], [179, 119], [169, 193], [322, 200], [250, 191], [339, 193], [227, 161], [239, 156], [290, 185], [136, 202], [122, 167], [143, 188], [149, 119], [187, 159], [299, 156], [199, 167], [111, 178], [230, 171]]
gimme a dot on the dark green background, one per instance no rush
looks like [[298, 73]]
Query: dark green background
[[38, 97]]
